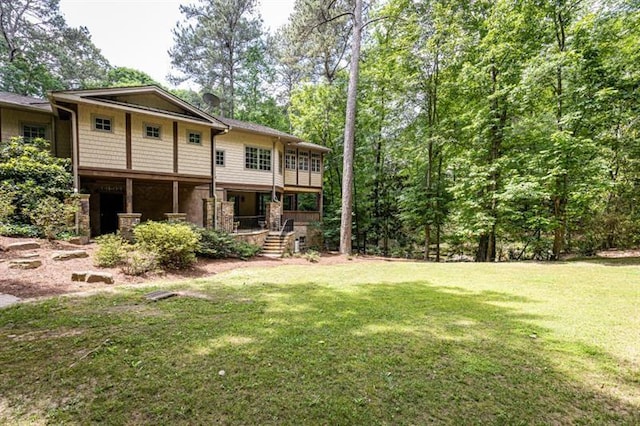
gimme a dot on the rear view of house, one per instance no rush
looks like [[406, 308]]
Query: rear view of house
[[140, 153]]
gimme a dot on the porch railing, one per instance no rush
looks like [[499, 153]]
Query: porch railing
[[301, 216], [250, 222], [287, 227]]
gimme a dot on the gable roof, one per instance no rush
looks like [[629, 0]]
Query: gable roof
[[149, 99], [258, 128], [24, 102]]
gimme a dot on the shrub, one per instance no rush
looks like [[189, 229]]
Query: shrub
[[53, 216], [20, 230], [6, 203], [215, 244], [219, 245], [139, 262], [312, 256], [112, 250], [174, 244]]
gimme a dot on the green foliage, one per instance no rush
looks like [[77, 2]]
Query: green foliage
[[174, 244], [139, 261], [20, 230], [112, 250], [216, 244], [53, 216], [312, 256], [6, 203], [37, 182]]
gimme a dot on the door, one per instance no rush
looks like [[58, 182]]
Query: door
[[110, 206]]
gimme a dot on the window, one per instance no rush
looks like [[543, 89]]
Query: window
[[194, 137], [219, 158], [290, 160], [315, 163], [152, 131], [303, 161], [32, 131], [103, 124], [257, 158]]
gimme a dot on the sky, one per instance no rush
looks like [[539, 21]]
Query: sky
[[137, 33]]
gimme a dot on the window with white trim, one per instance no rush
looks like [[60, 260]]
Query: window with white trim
[[315, 162], [153, 131], [290, 159], [219, 158], [303, 161], [102, 124], [194, 137], [257, 158], [33, 131]]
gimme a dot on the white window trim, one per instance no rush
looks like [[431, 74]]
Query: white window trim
[[94, 117], [258, 148], [144, 131], [315, 155], [195, 132], [224, 158], [304, 154]]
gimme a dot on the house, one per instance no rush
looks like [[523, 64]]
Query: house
[[141, 153]]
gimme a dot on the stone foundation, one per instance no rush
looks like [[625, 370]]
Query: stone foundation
[[274, 215], [175, 217], [224, 216], [256, 238], [208, 212], [126, 223]]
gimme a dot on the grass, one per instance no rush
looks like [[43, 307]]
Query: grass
[[361, 343]]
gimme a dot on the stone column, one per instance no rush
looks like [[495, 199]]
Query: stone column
[[84, 218], [224, 216], [175, 217], [208, 212], [274, 215], [126, 223]]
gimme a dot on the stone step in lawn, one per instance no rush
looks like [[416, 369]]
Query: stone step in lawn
[[69, 254], [25, 264], [23, 245]]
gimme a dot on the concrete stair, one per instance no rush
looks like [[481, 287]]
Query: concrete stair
[[274, 245]]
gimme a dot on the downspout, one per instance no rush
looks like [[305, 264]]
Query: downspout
[[74, 157], [273, 173]]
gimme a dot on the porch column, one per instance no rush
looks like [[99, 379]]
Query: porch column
[[126, 223], [84, 225], [208, 212], [129, 195], [224, 216], [274, 215], [175, 196]]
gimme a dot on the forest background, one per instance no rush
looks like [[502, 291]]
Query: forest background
[[505, 129]]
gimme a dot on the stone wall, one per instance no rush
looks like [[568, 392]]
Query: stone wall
[[84, 218], [256, 238]]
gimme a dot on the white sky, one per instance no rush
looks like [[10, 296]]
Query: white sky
[[137, 33]]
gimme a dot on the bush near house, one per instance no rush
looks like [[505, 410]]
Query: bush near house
[[174, 244], [216, 244], [35, 186]]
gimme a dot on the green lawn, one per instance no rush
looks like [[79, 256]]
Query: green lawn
[[359, 343]]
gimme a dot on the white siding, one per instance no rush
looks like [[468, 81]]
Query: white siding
[[233, 144]]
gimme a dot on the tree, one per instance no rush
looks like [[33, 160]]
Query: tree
[[213, 46], [39, 52]]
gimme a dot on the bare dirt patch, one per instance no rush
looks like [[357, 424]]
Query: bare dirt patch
[[54, 277]]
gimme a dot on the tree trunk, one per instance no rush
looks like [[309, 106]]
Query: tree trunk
[[349, 133]]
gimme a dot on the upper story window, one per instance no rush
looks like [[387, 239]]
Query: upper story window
[[152, 131], [315, 163], [102, 124], [219, 158], [257, 158], [194, 137], [303, 161], [290, 160], [32, 131]]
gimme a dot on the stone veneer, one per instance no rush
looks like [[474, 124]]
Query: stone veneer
[[126, 223], [84, 218], [274, 215], [224, 216]]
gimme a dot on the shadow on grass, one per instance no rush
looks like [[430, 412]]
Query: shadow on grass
[[296, 354]]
